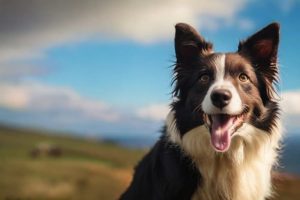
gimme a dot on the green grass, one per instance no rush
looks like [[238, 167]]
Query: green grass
[[87, 169]]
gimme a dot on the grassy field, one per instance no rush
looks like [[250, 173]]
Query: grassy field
[[85, 170]]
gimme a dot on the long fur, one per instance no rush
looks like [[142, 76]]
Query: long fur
[[241, 173], [184, 164]]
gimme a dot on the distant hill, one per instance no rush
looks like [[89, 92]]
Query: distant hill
[[81, 169], [290, 161]]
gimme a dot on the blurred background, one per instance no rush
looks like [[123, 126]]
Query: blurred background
[[85, 87]]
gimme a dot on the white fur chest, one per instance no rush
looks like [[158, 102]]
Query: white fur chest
[[243, 172]]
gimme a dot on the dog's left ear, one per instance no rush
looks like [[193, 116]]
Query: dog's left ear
[[261, 48]]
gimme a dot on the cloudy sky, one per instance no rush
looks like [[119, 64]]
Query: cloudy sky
[[103, 67]]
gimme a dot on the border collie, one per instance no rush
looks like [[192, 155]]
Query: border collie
[[222, 135]]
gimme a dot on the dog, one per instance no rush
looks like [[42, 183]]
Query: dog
[[222, 135]]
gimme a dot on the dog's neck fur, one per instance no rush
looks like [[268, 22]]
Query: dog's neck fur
[[243, 172]]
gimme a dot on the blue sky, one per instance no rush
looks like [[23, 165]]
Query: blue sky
[[123, 73], [104, 67]]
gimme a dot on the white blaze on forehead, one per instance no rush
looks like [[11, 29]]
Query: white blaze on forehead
[[235, 106], [220, 66]]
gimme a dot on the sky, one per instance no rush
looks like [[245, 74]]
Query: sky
[[104, 68]]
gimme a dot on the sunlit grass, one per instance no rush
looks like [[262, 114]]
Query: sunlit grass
[[86, 169]]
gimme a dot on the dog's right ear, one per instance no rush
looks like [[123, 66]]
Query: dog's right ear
[[189, 45]]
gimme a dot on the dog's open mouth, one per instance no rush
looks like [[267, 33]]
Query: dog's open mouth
[[222, 127]]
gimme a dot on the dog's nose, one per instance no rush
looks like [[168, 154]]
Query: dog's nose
[[221, 97]]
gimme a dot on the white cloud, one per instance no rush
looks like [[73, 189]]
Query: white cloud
[[156, 112], [291, 103], [13, 97], [291, 110], [63, 109], [29, 27], [46, 99]]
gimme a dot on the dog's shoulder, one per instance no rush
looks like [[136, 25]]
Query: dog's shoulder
[[164, 173]]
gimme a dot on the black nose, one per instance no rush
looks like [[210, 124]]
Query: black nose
[[221, 97]]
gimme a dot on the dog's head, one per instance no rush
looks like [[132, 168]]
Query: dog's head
[[225, 90]]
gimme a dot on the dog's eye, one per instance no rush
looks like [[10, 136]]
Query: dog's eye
[[204, 78], [243, 77]]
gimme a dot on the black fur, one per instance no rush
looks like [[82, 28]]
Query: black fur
[[165, 173]]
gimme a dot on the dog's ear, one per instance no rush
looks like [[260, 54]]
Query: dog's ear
[[189, 45], [261, 48]]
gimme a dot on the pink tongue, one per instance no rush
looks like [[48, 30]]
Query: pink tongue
[[220, 132]]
